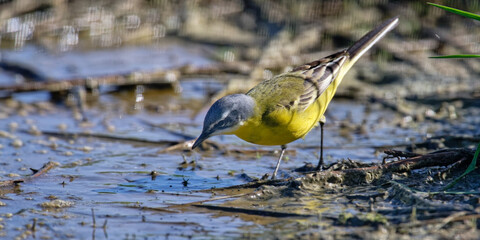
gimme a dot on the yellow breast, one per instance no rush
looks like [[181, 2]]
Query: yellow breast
[[289, 126]]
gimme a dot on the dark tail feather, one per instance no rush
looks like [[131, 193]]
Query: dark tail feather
[[369, 39]]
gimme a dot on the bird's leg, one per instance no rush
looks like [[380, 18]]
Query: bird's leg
[[320, 161], [278, 162]]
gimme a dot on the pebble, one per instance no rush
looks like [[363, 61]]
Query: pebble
[[68, 153], [17, 143], [34, 130], [13, 126], [62, 126], [5, 134], [86, 149], [43, 151]]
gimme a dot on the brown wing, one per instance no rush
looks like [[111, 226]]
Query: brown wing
[[318, 75]]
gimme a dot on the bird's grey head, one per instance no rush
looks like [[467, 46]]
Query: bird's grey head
[[226, 115]]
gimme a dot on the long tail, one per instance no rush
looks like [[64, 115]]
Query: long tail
[[323, 76], [349, 57], [368, 40]]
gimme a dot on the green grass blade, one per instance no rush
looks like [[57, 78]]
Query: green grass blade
[[457, 11], [458, 56], [470, 168]]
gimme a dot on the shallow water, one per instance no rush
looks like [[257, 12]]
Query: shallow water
[[113, 176], [115, 168]]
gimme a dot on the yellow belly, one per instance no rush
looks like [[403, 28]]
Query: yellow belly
[[293, 125]]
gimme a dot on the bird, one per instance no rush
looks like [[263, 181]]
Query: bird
[[286, 107]]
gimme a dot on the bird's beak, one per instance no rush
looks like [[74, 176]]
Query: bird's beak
[[200, 139]]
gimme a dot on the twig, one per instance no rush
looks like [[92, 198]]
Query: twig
[[41, 171], [107, 136], [442, 221], [93, 218], [34, 225], [470, 168], [123, 79], [397, 154], [211, 200], [254, 184], [257, 212], [62, 85]]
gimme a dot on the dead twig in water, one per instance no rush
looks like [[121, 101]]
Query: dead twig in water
[[458, 216], [397, 154], [212, 199], [93, 218], [107, 136], [123, 79], [254, 184], [257, 212], [37, 173]]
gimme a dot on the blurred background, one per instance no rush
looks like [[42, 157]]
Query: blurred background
[[111, 90]]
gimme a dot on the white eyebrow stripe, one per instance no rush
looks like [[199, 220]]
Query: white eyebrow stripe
[[225, 115]]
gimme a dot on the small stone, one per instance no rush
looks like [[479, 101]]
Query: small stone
[[52, 197], [13, 175], [5, 134], [110, 128], [52, 139], [3, 115], [8, 215], [17, 143], [62, 126], [12, 103], [22, 112], [43, 151], [86, 148], [68, 153], [34, 130], [1, 205], [13, 126]]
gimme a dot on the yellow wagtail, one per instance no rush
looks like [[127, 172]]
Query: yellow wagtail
[[286, 107]]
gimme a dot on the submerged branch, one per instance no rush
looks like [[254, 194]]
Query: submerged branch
[[108, 137], [168, 77], [36, 173], [257, 212]]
